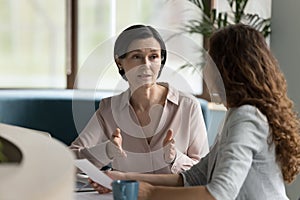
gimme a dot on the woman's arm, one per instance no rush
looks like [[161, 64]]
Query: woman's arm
[[174, 180], [154, 179], [159, 186], [149, 192]]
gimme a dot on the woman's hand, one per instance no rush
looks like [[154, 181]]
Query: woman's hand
[[145, 191], [114, 147], [99, 188], [115, 175], [169, 147]]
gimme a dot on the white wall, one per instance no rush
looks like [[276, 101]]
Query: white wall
[[285, 44]]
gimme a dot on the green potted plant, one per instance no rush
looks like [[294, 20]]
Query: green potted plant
[[212, 20]]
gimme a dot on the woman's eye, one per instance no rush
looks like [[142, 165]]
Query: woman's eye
[[136, 56], [154, 57]]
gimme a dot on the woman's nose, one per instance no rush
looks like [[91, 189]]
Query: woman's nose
[[146, 62]]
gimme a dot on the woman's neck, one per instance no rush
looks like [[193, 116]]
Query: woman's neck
[[144, 98]]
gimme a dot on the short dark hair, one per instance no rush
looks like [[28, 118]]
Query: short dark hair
[[138, 32]]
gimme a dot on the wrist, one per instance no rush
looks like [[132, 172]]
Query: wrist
[[171, 162], [147, 191], [151, 192]]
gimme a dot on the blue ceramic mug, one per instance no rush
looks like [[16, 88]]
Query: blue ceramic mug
[[125, 189]]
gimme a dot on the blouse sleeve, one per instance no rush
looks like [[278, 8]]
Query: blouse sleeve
[[91, 143], [198, 144]]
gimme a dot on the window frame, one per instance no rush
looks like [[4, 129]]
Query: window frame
[[71, 43]]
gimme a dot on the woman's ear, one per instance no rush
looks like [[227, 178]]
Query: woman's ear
[[118, 61]]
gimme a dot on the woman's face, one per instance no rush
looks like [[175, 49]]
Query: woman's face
[[142, 62]]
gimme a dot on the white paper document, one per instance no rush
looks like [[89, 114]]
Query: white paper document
[[93, 172]]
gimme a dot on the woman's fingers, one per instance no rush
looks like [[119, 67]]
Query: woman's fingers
[[168, 138], [102, 190], [115, 147], [99, 188]]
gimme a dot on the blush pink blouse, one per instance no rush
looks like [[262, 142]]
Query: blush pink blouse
[[181, 113]]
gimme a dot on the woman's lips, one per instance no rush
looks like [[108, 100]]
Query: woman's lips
[[144, 76]]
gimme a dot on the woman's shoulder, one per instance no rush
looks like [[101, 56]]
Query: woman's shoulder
[[246, 112], [189, 100], [184, 96], [180, 95], [118, 99]]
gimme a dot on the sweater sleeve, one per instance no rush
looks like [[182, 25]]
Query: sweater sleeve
[[196, 175], [245, 134]]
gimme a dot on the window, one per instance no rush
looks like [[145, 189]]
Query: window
[[32, 50], [33, 41]]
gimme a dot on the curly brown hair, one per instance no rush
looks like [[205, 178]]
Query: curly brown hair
[[251, 75]]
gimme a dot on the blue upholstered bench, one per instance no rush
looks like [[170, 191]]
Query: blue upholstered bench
[[62, 113]]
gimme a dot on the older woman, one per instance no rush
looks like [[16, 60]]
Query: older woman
[[151, 127]]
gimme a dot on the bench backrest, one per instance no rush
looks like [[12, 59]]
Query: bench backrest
[[62, 113]]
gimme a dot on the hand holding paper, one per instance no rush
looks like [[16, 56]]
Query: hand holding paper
[[94, 173]]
